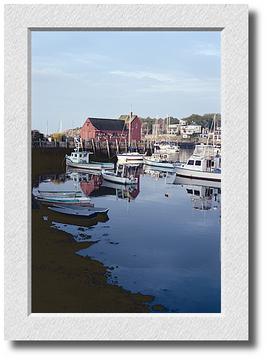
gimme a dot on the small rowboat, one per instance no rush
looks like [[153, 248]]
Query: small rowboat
[[65, 193], [82, 201], [88, 213], [59, 215], [84, 210]]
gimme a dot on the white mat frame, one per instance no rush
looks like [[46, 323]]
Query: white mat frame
[[232, 323]]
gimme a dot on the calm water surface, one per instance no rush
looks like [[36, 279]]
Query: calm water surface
[[162, 237]]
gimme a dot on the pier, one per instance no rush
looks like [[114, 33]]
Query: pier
[[110, 148]]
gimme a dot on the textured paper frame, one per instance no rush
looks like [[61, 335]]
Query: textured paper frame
[[232, 323]]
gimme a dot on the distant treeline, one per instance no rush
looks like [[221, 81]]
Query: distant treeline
[[194, 119]]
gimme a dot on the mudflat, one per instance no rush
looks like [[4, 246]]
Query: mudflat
[[65, 282]]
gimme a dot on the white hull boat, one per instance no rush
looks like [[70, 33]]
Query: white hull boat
[[82, 201], [158, 163], [195, 174], [166, 148], [56, 193], [130, 157], [97, 166], [203, 164], [113, 177], [87, 213], [78, 216], [91, 208], [81, 159]]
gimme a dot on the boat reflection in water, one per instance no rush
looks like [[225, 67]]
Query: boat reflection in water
[[204, 195], [159, 173], [156, 240]]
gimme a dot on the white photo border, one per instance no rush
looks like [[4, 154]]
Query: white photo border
[[232, 322]]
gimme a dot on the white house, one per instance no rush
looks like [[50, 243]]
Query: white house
[[173, 129], [189, 130]]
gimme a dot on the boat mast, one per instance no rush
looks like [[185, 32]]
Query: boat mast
[[47, 128], [129, 129], [214, 126]]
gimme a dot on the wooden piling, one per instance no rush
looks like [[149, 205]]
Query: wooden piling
[[93, 146], [108, 148], [117, 147]]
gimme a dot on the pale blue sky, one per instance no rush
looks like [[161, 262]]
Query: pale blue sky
[[101, 74]]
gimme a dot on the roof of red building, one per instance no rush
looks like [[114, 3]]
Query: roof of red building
[[107, 124]]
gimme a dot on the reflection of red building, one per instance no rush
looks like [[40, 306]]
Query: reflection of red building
[[135, 192], [111, 129], [89, 186]]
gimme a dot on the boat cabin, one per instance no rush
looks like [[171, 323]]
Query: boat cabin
[[80, 157], [204, 159]]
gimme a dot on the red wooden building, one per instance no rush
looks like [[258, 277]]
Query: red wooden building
[[111, 129]]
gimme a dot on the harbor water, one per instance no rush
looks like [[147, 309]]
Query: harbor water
[[161, 237]]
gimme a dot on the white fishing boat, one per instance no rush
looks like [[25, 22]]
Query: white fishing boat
[[166, 148], [119, 176], [203, 164], [81, 160], [160, 161], [130, 157]]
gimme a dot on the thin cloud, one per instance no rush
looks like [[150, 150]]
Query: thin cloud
[[161, 77], [191, 85], [207, 50], [52, 72], [87, 58]]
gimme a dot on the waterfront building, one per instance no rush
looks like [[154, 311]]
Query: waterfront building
[[190, 130], [173, 129], [112, 129]]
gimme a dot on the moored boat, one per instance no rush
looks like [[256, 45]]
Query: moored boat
[[84, 212], [84, 209], [130, 157], [54, 215], [203, 164], [63, 193], [119, 176], [81, 160], [166, 148], [82, 201], [159, 161]]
